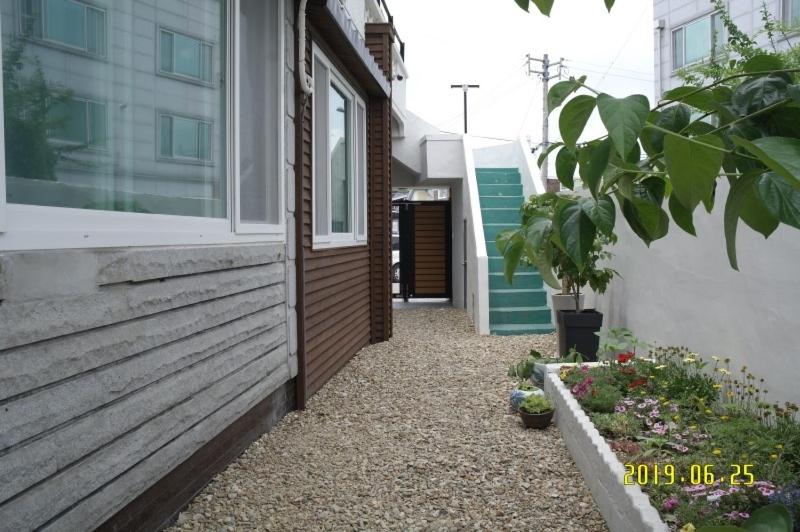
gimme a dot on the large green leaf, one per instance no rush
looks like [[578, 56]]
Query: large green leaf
[[693, 166], [546, 153], [574, 231], [609, 4], [566, 162], [779, 154], [513, 245], [593, 160], [697, 97], [681, 215], [544, 6], [770, 518], [574, 116], [755, 213], [757, 93], [601, 211], [561, 91], [780, 198], [739, 189], [624, 119], [652, 189], [763, 63], [674, 118], [648, 221]]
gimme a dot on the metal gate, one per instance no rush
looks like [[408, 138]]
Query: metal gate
[[425, 249]]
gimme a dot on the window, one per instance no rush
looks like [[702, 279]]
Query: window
[[792, 12], [339, 153], [65, 22], [694, 42], [185, 56], [79, 122], [185, 138], [141, 143]]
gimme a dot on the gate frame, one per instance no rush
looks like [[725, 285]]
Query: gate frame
[[407, 249]]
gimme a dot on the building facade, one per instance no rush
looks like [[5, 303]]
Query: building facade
[[190, 246]]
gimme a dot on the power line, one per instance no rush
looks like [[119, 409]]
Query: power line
[[609, 74], [634, 27]]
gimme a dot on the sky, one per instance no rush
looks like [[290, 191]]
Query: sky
[[485, 42]]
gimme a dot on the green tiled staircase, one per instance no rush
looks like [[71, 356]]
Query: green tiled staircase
[[521, 307]]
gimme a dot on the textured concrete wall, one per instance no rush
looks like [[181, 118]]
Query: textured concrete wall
[[116, 365]]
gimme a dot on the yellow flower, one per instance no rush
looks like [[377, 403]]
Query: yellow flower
[[717, 386], [676, 418], [724, 418], [709, 411], [717, 452], [692, 427], [688, 527], [773, 456], [730, 394], [661, 366], [779, 446], [688, 360]]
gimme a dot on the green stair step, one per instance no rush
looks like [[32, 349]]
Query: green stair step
[[500, 190], [519, 315], [527, 280], [516, 297], [501, 216], [499, 178], [516, 329], [490, 231], [489, 170], [500, 202], [497, 265]]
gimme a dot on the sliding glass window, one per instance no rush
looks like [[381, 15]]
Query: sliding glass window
[[92, 122]]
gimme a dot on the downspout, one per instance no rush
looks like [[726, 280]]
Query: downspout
[[660, 25], [306, 90]]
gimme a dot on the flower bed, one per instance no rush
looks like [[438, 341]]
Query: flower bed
[[704, 444]]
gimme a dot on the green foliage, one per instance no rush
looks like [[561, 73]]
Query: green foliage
[[770, 518], [614, 341], [536, 404], [738, 116], [568, 258], [617, 426], [601, 398], [523, 369]]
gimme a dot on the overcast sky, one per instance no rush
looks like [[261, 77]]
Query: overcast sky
[[485, 42]]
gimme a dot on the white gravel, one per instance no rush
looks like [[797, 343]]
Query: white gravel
[[414, 434]]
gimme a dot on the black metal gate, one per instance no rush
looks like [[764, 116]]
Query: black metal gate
[[425, 249]]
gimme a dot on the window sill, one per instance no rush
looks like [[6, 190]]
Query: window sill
[[334, 244], [186, 79]]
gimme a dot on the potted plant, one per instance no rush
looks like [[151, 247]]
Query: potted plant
[[536, 412], [568, 265]]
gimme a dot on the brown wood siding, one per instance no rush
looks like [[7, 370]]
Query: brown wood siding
[[346, 291], [430, 250]]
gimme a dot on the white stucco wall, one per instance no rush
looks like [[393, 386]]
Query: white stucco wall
[[682, 291]]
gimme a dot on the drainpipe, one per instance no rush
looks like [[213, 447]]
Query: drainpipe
[[306, 88], [660, 25]]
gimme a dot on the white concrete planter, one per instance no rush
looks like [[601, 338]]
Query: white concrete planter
[[565, 301], [625, 508]]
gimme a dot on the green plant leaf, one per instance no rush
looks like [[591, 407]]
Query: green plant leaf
[[780, 198], [770, 518], [566, 162], [763, 63], [574, 231], [513, 245], [546, 153], [523, 4], [720, 528], [757, 93], [609, 4], [779, 154], [681, 215], [624, 119], [793, 92], [574, 116], [544, 6], [601, 211], [561, 91], [700, 99], [693, 166], [648, 221], [755, 213], [736, 196], [673, 118], [593, 159]]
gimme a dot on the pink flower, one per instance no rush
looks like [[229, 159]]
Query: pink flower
[[670, 504]]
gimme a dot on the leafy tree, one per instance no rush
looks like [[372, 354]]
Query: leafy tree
[[657, 165]]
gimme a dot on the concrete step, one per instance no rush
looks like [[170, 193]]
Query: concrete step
[[499, 178], [500, 190], [517, 297], [519, 315], [501, 216], [490, 231], [501, 202], [525, 280], [517, 329], [497, 265]]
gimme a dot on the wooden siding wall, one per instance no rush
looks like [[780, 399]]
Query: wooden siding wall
[[347, 291], [431, 267], [117, 365]]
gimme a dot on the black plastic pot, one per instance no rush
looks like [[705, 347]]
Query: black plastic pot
[[536, 421], [577, 329]]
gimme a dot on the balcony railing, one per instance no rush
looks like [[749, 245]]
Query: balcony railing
[[390, 18]]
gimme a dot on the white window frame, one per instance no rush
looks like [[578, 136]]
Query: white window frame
[[710, 15], [33, 227], [92, 147], [358, 155], [58, 44], [177, 75], [160, 113], [787, 15]]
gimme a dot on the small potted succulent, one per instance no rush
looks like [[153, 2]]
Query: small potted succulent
[[536, 412], [522, 391]]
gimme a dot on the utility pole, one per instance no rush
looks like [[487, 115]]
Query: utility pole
[[465, 87], [544, 75]]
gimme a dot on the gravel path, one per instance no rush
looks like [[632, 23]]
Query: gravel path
[[413, 434]]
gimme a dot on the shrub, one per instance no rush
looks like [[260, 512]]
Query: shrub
[[536, 404], [617, 425], [601, 398]]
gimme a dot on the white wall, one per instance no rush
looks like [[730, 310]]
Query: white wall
[[682, 291]]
